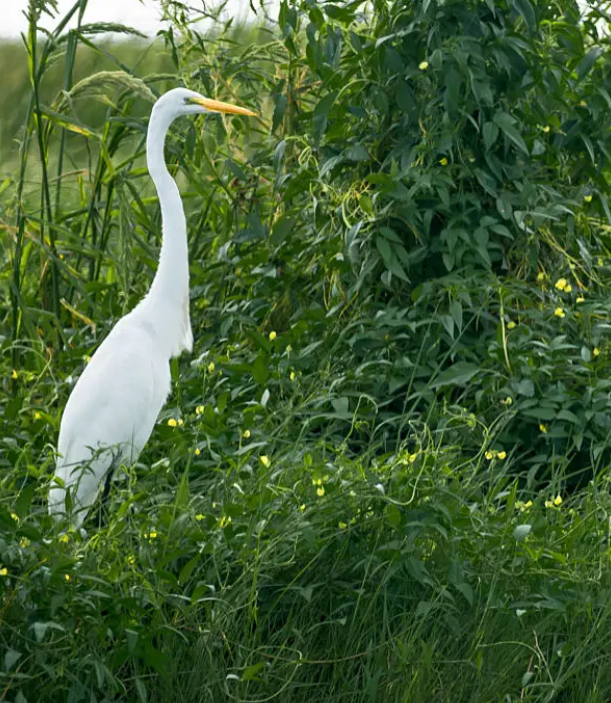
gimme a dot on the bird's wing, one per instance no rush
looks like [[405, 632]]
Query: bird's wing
[[111, 412]]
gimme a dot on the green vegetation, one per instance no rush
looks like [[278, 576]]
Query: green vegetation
[[383, 474]]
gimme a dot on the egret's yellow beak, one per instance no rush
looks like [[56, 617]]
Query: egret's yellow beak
[[218, 106]]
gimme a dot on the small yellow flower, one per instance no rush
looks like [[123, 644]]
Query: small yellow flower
[[197, 451], [37, 415], [180, 422], [412, 457], [559, 312], [199, 517], [546, 129], [14, 375], [540, 277], [560, 283], [265, 460], [24, 542], [172, 422], [211, 367], [558, 500], [549, 504], [67, 577], [320, 491], [153, 535], [596, 351], [489, 455], [64, 539], [423, 65], [580, 299], [502, 455], [131, 560], [302, 507], [587, 198], [224, 521], [292, 375], [246, 434], [444, 161], [4, 571], [272, 336], [15, 517], [543, 428], [342, 525], [521, 506], [508, 401], [199, 409], [511, 325]]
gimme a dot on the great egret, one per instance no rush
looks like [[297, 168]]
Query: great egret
[[113, 407]]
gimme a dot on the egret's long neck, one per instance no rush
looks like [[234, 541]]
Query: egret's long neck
[[168, 299]]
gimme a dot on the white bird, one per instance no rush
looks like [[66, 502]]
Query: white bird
[[113, 407]]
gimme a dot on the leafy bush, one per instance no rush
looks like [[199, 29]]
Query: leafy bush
[[383, 474]]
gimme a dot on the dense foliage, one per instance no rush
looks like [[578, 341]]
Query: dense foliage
[[383, 474]]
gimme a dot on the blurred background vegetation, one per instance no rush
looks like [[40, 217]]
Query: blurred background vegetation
[[383, 473]]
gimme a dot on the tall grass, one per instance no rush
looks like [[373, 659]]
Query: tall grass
[[330, 508]]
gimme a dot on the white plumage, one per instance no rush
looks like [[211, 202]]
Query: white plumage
[[114, 405]]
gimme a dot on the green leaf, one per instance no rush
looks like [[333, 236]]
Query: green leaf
[[506, 122], [491, 132], [260, 369], [457, 375]]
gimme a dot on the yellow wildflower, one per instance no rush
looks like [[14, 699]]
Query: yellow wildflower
[[521, 506], [24, 542], [546, 129], [596, 351], [3, 571], [153, 535], [67, 577], [502, 455], [568, 288], [540, 277], [15, 517], [64, 539], [264, 459], [180, 422], [580, 299], [423, 65], [587, 198], [320, 491], [549, 504], [412, 457], [211, 367], [489, 455], [131, 560], [559, 312], [199, 409], [272, 336], [14, 375], [302, 507], [543, 428], [511, 325], [292, 375], [246, 434], [560, 283], [197, 451], [508, 401], [199, 517], [342, 525], [37, 415], [172, 422], [558, 500], [444, 161], [225, 520]]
